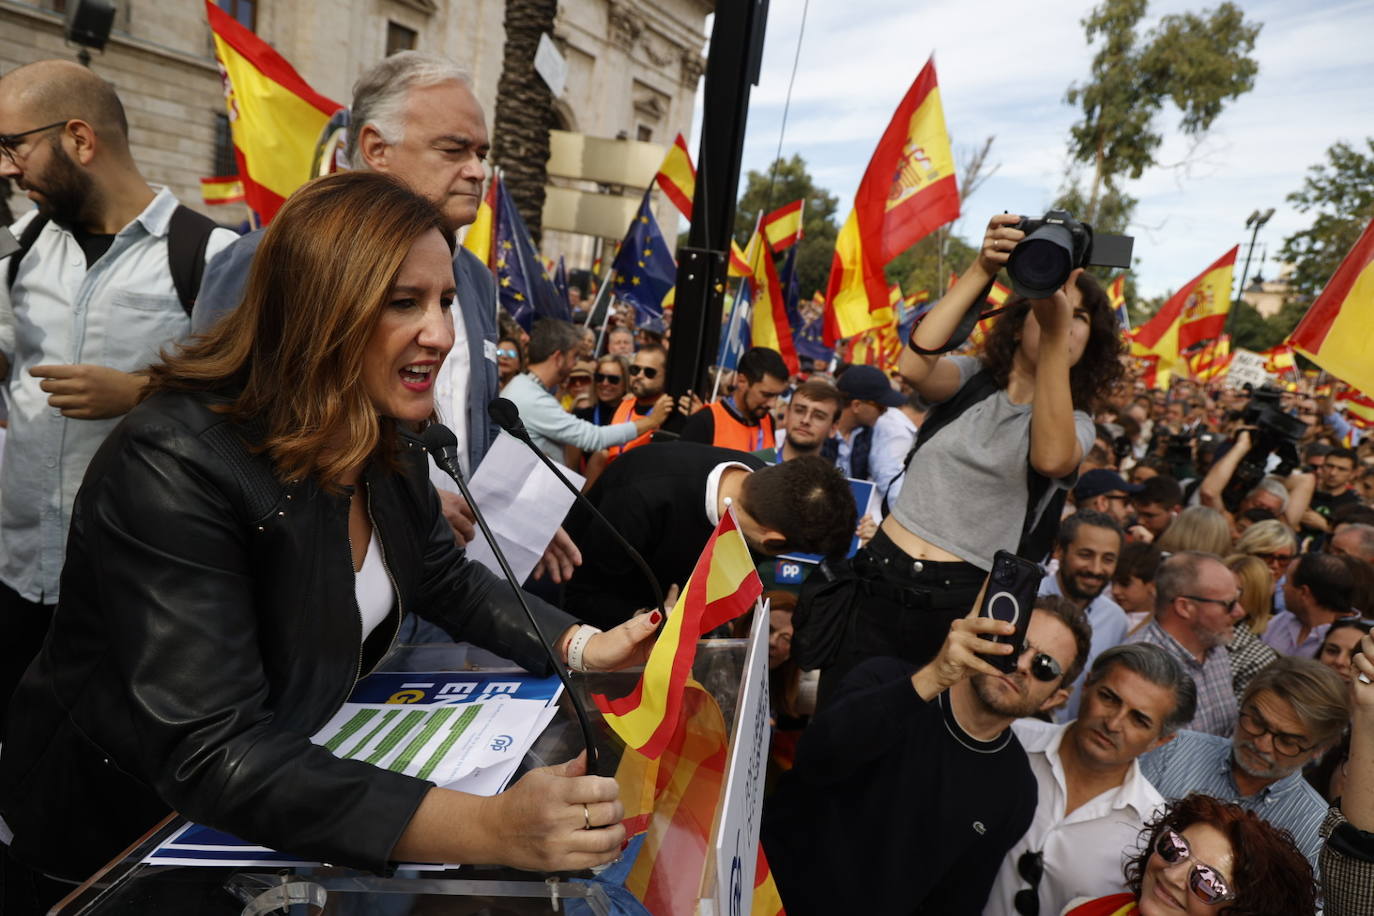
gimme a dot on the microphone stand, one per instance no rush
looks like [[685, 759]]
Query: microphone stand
[[445, 455]]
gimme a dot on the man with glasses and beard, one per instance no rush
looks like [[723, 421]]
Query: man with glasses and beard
[[910, 787], [83, 311], [1197, 605], [1292, 712], [648, 375], [1087, 548], [1093, 799]]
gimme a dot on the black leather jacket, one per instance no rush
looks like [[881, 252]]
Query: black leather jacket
[[207, 628]]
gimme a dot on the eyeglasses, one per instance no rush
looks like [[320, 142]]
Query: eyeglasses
[[646, 371], [1285, 743], [509, 354], [9, 143], [1204, 881], [1043, 667], [579, 380], [1224, 602], [1275, 557], [603, 378], [1031, 868]]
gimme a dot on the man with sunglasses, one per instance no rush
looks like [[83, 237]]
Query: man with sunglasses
[[648, 376], [1290, 714], [1197, 606], [1093, 799], [83, 311], [910, 786]]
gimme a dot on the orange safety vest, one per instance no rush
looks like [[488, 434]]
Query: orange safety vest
[[731, 433], [624, 414]]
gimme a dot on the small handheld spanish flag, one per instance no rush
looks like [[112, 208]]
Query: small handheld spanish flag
[[723, 585]]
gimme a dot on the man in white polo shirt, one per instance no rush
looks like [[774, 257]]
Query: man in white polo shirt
[[1093, 799]]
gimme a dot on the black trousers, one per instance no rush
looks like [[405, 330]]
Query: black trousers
[[23, 626], [901, 607], [26, 892]]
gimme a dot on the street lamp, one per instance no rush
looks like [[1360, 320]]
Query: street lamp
[[1253, 222]]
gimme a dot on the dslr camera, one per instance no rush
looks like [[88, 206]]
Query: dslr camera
[[1276, 433], [1056, 245]]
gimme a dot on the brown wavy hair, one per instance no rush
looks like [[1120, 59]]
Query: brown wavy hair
[[1270, 877], [1095, 374], [290, 357]]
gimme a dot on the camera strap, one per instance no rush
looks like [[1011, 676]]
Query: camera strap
[[962, 330]]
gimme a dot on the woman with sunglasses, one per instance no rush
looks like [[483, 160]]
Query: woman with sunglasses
[[510, 359], [1205, 857], [610, 382], [1273, 542]]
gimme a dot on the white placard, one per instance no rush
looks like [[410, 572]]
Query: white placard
[[551, 65], [1247, 367], [735, 844]]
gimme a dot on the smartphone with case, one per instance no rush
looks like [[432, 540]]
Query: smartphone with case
[[1010, 596]]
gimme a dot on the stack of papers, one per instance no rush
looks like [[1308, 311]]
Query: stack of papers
[[460, 730]]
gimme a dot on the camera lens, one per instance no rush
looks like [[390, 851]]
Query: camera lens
[[1041, 262]]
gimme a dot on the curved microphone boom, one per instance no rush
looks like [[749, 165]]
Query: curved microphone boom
[[440, 442], [506, 415]]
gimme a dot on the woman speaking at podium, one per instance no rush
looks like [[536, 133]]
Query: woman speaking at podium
[[241, 551]]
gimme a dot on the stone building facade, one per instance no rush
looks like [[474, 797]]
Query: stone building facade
[[634, 67]]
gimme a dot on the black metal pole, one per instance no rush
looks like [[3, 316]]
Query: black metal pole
[[732, 68], [1244, 272]]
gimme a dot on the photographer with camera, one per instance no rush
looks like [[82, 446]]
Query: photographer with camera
[[995, 456], [1238, 481]]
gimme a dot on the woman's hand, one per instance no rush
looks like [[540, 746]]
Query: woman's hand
[[998, 242], [539, 823], [1055, 314]]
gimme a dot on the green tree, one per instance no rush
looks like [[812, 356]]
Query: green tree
[[764, 192], [1339, 193], [1198, 61]]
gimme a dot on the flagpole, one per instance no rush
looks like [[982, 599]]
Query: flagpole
[[606, 318], [729, 334], [601, 292]]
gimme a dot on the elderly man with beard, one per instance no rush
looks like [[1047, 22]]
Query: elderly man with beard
[[1292, 712], [910, 787], [83, 311], [1197, 606], [1093, 800], [1087, 549]]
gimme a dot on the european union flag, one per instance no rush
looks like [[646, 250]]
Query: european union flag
[[560, 283], [806, 335], [522, 283], [644, 266]]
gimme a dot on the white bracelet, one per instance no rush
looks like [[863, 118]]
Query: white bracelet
[[578, 644]]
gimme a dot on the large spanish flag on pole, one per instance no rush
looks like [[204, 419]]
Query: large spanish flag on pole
[[908, 191], [677, 177], [1336, 333], [723, 585], [1195, 314], [769, 327], [275, 117]]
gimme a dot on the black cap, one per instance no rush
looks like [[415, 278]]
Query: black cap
[[1103, 480], [868, 383]]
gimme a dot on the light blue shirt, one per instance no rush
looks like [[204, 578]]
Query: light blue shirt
[[1110, 625], [119, 314], [1195, 762], [551, 427], [1282, 635]]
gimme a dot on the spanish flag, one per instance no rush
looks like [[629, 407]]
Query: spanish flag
[[769, 326], [1193, 315], [1359, 408], [908, 191], [275, 117], [723, 585], [1116, 295], [783, 227], [677, 177], [1279, 359], [483, 229], [225, 189], [1335, 332], [1212, 360]]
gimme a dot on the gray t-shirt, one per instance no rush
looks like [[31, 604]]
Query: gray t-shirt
[[966, 490]]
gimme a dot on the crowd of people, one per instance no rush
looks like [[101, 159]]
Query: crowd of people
[[1187, 727]]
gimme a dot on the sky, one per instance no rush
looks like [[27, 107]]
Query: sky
[[1003, 70]]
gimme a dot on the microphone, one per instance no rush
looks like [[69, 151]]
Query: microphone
[[440, 442], [506, 415]]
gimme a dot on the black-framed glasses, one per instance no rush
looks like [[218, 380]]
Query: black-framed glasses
[[1204, 881], [646, 371], [1285, 743], [1224, 602], [1275, 557], [1043, 667], [604, 379], [10, 142], [1031, 868]]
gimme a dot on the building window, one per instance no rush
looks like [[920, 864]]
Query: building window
[[645, 134], [399, 38], [245, 12], [225, 162]]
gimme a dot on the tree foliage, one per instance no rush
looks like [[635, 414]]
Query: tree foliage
[[1197, 61], [819, 228], [1339, 193]]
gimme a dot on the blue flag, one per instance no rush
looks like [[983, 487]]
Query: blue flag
[[806, 335], [560, 283], [735, 336], [522, 283], [644, 266]]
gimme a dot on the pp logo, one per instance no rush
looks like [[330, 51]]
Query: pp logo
[[788, 573], [501, 742], [736, 886], [407, 696]]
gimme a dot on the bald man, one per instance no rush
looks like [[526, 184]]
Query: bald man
[[85, 310]]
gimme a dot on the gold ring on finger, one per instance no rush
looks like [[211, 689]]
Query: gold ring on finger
[[586, 818]]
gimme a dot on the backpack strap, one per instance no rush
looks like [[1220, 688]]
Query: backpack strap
[[27, 238], [188, 237]]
